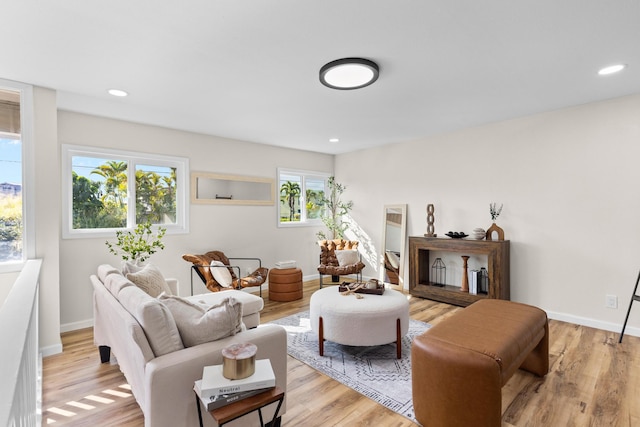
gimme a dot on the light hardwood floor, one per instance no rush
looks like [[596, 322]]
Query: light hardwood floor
[[593, 381]]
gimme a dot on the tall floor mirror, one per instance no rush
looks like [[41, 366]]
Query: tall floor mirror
[[393, 244]]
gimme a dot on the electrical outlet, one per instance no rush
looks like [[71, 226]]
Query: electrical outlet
[[611, 301]]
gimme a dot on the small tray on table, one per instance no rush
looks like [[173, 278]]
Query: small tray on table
[[350, 286]]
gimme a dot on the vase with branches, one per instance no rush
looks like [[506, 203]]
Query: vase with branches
[[334, 210], [138, 245], [495, 212]]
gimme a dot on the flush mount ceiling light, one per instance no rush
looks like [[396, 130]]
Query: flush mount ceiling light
[[611, 69], [117, 92], [349, 73]]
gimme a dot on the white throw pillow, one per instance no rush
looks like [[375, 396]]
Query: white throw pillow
[[347, 257], [222, 275], [200, 323], [150, 280], [393, 259]]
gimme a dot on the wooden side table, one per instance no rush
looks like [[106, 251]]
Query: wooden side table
[[285, 284], [242, 407]]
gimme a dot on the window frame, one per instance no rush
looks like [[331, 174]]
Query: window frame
[[304, 175], [28, 175], [133, 159]]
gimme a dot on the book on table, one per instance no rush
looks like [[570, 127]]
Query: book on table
[[474, 281], [214, 383], [220, 400]]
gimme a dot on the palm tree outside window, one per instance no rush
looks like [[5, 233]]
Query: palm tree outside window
[[301, 197], [121, 190]]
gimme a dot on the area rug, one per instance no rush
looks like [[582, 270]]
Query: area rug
[[372, 371]]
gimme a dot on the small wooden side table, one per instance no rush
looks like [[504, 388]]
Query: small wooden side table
[[234, 410], [285, 284]]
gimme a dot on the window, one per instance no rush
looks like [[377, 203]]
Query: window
[[99, 196], [16, 239], [301, 197]]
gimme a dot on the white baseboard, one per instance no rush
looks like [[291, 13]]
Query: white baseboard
[[74, 326], [593, 323], [51, 350]]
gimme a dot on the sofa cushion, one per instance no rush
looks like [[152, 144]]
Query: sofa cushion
[[199, 323], [115, 282], [154, 317], [150, 280], [104, 270], [347, 257], [221, 274], [250, 303]]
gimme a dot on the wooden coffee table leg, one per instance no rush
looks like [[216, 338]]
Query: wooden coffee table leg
[[321, 337], [398, 340]]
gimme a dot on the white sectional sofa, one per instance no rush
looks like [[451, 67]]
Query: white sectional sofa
[[142, 335]]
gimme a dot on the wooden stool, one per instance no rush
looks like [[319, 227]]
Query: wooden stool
[[285, 284]]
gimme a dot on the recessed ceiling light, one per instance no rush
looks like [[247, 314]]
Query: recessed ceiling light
[[334, 140], [349, 73], [611, 69], [117, 92]]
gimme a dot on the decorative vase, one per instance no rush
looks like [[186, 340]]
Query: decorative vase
[[465, 278], [239, 360], [131, 267], [479, 233], [492, 229]]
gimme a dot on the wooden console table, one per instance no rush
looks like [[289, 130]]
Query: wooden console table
[[420, 285]]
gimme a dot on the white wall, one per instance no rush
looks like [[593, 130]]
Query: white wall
[[47, 216], [569, 181], [236, 230]]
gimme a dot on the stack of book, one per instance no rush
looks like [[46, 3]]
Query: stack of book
[[214, 390], [474, 281], [286, 264], [478, 282]]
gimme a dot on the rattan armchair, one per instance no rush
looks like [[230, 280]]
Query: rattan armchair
[[329, 264]]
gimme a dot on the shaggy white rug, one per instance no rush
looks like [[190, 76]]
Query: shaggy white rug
[[372, 371]]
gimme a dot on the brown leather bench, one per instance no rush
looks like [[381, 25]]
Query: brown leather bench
[[460, 365]]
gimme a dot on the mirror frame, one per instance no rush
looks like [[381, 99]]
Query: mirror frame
[[206, 175], [403, 243]]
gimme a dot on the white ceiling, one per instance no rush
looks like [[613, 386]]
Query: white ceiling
[[248, 70]]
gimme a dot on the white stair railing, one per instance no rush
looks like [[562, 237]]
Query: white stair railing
[[20, 387]]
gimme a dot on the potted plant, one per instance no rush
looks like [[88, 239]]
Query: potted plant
[[135, 247], [334, 209]]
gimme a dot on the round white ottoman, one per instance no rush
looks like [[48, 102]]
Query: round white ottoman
[[372, 320]]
